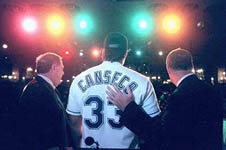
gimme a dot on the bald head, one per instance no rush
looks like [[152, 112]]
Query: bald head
[[179, 60]]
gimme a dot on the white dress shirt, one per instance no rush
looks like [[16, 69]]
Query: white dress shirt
[[47, 80], [185, 76]]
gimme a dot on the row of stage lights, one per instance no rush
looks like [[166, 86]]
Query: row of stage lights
[[142, 23], [56, 24], [170, 23], [95, 52]]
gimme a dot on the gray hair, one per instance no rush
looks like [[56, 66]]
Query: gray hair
[[45, 61], [180, 59]]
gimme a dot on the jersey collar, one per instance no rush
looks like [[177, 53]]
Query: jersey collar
[[109, 62]]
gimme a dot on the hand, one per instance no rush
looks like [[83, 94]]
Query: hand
[[120, 99]]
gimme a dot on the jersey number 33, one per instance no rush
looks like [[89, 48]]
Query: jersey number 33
[[99, 115]]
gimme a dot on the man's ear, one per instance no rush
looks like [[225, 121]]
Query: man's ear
[[126, 53], [53, 68], [169, 70]]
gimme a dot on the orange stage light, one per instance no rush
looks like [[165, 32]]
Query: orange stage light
[[171, 24], [55, 24]]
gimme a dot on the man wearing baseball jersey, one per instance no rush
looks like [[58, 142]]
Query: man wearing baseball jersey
[[88, 105]]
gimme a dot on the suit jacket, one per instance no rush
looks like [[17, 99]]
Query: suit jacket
[[191, 121], [42, 119]]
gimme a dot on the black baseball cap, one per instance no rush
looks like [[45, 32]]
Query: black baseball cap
[[116, 41]]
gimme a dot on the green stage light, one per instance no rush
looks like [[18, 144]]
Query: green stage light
[[83, 24], [143, 24], [138, 52]]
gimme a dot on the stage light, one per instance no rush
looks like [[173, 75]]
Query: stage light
[[29, 69], [5, 46], [81, 53], [83, 23], [138, 52], [160, 53], [171, 24], [29, 25], [67, 54], [95, 52], [55, 24], [142, 23]]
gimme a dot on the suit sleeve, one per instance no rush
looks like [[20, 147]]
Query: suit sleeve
[[145, 127]]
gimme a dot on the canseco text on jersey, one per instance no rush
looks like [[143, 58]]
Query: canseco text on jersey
[[108, 77]]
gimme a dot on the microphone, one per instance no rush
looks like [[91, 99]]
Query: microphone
[[89, 141]]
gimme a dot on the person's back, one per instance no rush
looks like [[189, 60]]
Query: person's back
[[194, 110], [87, 98], [42, 122], [100, 118], [198, 116], [207, 116]]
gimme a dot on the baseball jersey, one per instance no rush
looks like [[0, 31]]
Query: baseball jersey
[[100, 118]]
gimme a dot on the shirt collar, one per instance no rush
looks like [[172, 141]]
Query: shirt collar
[[109, 62], [181, 79], [47, 80]]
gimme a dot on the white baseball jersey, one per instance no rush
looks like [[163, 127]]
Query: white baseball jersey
[[100, 118]]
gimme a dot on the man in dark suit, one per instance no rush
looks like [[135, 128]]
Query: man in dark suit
[[191, 121], [43, 123]]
